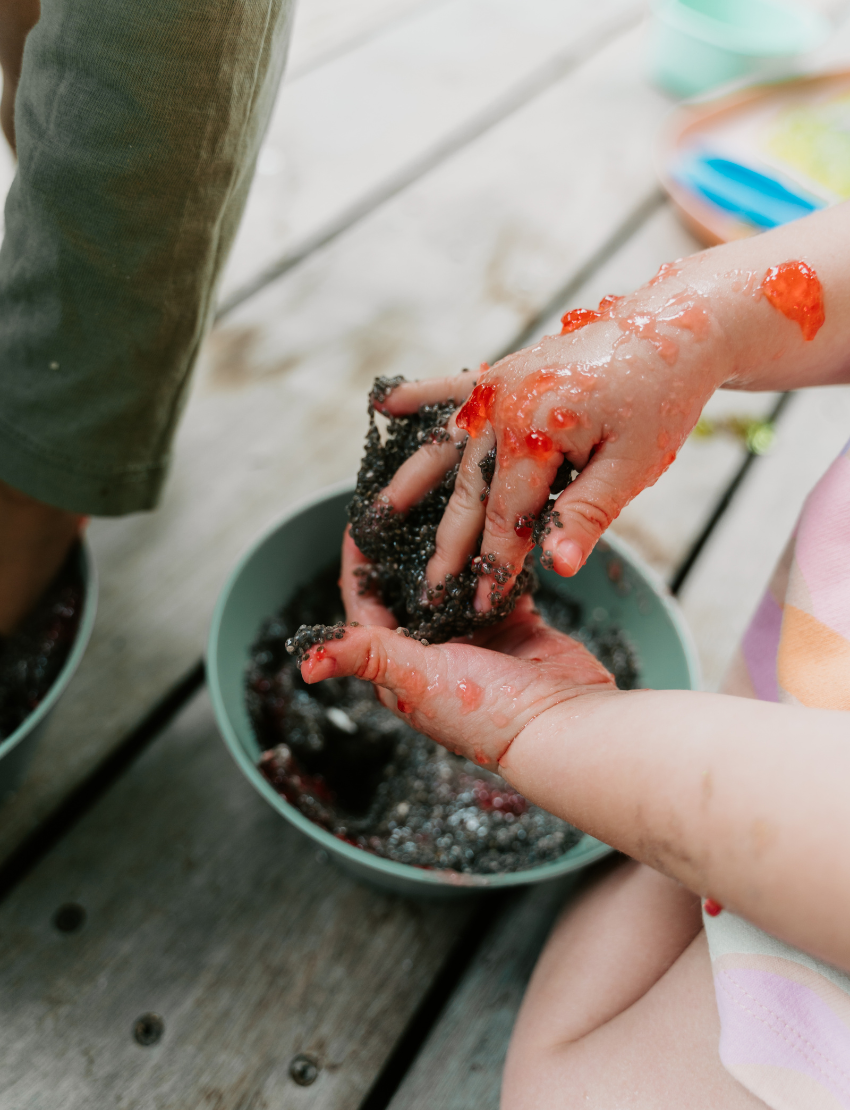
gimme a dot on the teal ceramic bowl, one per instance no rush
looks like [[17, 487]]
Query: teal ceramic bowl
[[614, 587], [16, 750], [697, 45]]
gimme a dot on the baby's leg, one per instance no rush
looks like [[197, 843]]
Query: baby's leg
[[620, 1010]]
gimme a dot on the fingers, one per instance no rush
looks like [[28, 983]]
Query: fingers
[[463, 520], [472, 701], [420, 684], [519, 491], [588, 506], [423, 471], [409, 396], [363, 607]]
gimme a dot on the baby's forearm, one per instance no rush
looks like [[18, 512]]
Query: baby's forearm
[[740, 800], [754, 345]]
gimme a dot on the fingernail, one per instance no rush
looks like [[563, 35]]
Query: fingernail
[[568, 556], [317, 670]]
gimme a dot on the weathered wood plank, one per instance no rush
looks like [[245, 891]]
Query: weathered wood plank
[[346, 131], [460, 1066], [205, 907], [726, 586], [324, 29], [445, 273]]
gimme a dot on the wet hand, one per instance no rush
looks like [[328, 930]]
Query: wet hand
[[473, 696], [616, 396]]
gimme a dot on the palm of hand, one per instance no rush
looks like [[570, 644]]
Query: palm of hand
[[473, 696]]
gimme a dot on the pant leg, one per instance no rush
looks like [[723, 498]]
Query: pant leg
[[138, 125]]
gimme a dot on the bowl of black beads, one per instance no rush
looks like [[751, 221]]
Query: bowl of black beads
[[383, 801], [39, 659]]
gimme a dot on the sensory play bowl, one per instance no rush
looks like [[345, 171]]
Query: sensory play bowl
[[614, 587], [696, 45], [16, 750]]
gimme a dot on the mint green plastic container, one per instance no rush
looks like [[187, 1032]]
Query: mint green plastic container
[[17, 750], [614, 587], [697, 45]]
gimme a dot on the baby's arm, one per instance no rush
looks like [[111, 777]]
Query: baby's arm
[[618, 397], [740, 800]]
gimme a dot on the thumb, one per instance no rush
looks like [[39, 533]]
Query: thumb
[[587, 507]]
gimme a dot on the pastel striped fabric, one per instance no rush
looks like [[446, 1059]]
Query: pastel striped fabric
[[784, 1016]]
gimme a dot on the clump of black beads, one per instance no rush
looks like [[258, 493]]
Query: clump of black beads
[[399, 546], [311, 635]]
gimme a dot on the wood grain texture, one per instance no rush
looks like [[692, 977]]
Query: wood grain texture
[[342, 132], [205, 907], [326, 29], [460, 1065]]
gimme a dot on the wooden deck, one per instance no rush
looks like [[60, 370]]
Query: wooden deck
[[441, 179]]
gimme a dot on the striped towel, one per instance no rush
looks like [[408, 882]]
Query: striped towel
[[784, 1016]]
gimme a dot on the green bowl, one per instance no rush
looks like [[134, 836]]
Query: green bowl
[[614, 587], [697, 45], [16, 750]]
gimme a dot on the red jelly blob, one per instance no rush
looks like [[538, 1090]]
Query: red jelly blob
[[523, 527], [321, 652], [470, 693], [403, 706], [711, 907], [795, 289], [607, 303], [539, 445], [563, 418], [578, 318], [475, 413]]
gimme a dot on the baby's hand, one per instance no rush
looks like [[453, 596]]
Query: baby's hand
[[475, 696], [615, 396]]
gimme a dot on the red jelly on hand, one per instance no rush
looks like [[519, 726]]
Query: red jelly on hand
[[578, 318], [475, 413], [795, 289], [711, 907]]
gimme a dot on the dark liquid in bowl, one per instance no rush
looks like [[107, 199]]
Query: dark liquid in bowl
[[361, 773], [31, 659]]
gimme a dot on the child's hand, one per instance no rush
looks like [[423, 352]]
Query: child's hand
[[472, 696], [616, 399]]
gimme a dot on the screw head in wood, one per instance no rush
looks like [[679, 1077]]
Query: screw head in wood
[[304, 1069], [148, 1029], [69, 918]]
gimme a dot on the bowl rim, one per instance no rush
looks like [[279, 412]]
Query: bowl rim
[[75, 655], [587, 850], [809, 28]]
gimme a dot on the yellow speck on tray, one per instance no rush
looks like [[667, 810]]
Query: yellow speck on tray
[[815, 141]]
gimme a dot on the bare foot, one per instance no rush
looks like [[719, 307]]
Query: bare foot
[[34, 541]]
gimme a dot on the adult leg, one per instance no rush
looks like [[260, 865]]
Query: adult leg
[[620, 1010], [34, 540], [17, 19], [138, 125]]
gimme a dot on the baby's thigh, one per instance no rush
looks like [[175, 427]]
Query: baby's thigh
[[660, 1052]]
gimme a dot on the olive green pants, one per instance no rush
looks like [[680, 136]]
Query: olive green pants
[[138, 126]]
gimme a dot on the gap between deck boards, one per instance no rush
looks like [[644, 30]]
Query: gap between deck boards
[[523, 93]]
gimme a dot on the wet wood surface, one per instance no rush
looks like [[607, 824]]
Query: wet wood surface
[[481, 167]]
